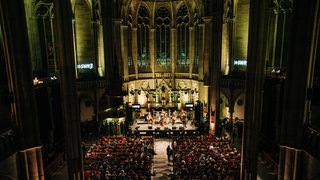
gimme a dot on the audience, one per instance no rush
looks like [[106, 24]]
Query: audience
[[119, 157], [131, 157], [204, 157]]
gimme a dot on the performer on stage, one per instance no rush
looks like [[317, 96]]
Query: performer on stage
[[174, 116], [183, 118], [149, 118]]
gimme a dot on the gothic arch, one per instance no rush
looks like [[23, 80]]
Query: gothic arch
[[239, 106], [86, 106]]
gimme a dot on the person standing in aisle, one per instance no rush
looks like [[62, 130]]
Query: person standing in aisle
[[169, 153]]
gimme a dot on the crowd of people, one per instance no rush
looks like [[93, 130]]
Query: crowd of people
[[120, 157], [204, 157], [131, 157]]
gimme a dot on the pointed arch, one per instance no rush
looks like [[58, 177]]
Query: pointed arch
[[143, 25], [162, 25]]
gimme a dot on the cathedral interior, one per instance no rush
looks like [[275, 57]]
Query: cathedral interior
[[70, 69]]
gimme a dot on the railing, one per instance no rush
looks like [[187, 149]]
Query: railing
[[54, 165], [145, 75], [7, 143], [232, 83], [225, 82], [95, 84]]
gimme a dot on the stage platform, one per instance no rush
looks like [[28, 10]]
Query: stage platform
[[145, 128]]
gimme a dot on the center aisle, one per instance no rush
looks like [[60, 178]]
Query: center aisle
[[162, 167]]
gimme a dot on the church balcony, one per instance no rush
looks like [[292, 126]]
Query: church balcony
[[91, 84]]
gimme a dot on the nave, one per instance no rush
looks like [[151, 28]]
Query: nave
[[163, 169]]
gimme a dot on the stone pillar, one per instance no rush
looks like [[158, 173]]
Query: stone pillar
[[254, 88], [24, 110], [116, 39], [18, 59], [207, 52], [304, 33], [225, 59], [101, 62], [285, 20], [124, 51], [201, 51], [106, 12], [152, 47], [191, 49], [31, 162], [64, 35], [173, 49], [290, 163], [135, 50], [273, 16], [215, 63]]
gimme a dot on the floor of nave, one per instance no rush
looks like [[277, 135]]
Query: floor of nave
[[162, 169]]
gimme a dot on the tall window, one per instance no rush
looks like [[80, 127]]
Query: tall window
[[162, 21], [44, 15], [143, 22], [196, 38], [183, 36], [130, 60]]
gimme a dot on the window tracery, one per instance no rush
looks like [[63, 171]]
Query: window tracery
[[163, 21], [183, 36], [143, 23], [130, 60]]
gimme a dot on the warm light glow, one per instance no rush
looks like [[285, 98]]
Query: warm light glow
[[142, 99], [37, 81], [240, 62], [85, 66]]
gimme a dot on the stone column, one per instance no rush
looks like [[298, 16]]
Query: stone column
[[173, 49], [254, 88], [95, 27], [290, 163], [31, 162], [24, 110], [64, 35], [101, 62], [201, 51], [116, 39], [273, 17], [207, 48], [191, 49], [216, 7], [124, 51], [135, 50], [152, 47], [225, 59], [304, 33], [106, 12]]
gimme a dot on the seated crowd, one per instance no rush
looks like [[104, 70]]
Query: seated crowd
[[120, 157], [204, 157]]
